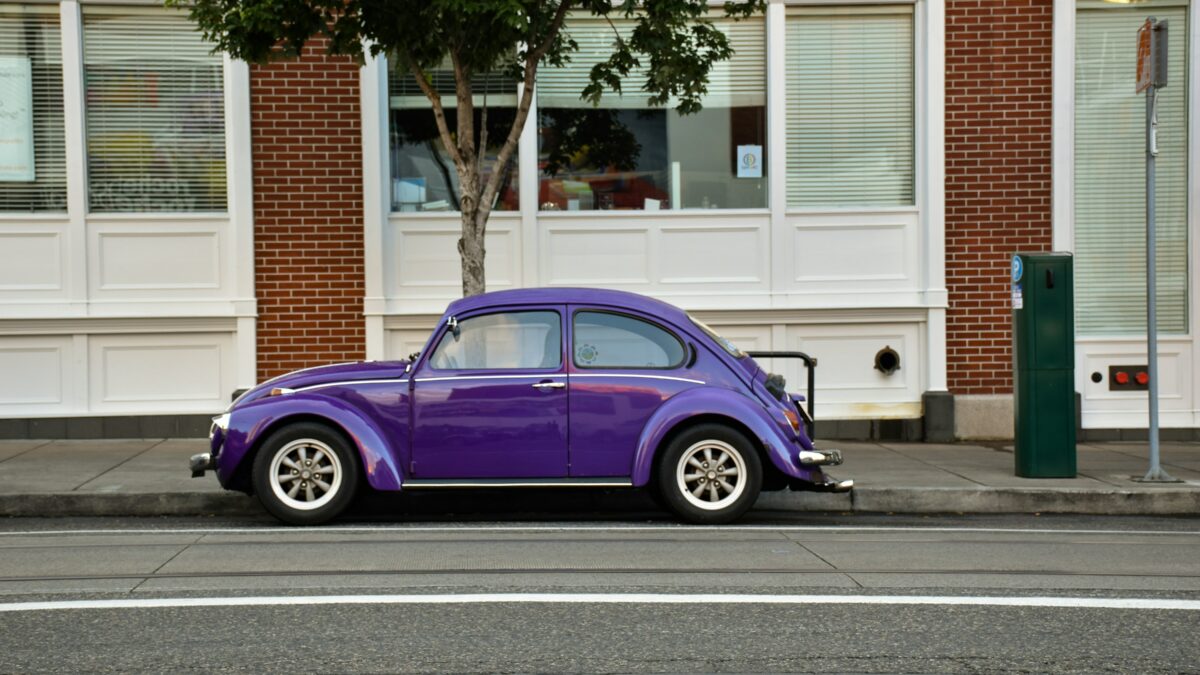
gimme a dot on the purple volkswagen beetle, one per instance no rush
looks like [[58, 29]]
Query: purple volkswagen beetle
[[543, 387]]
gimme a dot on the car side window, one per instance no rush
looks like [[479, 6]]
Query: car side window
[[508, 340], [604, 340]]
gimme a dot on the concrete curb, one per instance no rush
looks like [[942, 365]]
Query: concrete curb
[[1116, 502], [88, 504], [1157, 502]]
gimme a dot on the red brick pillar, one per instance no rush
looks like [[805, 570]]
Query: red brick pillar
[[308, 211], [998, 125]]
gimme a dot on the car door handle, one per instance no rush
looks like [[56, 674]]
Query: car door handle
[[550, 385]]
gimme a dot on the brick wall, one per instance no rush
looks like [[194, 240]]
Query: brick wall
[[998, 123], [308, 229]]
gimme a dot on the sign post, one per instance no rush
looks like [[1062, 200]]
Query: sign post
[[1152, 76]]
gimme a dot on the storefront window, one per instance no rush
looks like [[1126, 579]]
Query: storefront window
[[32, 150], [423, 174], [850, 106], [154, 100], [624, 154], [1110, 161]]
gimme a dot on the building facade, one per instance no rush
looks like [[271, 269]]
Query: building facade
[[175, 226]]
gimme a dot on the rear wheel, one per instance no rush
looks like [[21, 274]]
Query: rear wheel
[[710, 474], [305, 474]]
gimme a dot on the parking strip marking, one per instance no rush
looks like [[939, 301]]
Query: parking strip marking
[[610, 598], [383, 529]]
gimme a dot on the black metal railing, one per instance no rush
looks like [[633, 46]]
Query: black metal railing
[[811, 365]]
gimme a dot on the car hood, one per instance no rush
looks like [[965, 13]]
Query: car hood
[[340, 372]]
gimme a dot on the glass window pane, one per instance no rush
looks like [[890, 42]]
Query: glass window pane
[[510, 340], [604, 340], [33, 174], [155, 113], [1110, 170], [625, 154], [850, 106], [423, 174]]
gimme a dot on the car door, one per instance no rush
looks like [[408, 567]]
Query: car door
[[622, 368], [490, 400]]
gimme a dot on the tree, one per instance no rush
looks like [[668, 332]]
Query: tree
[[674, 39]]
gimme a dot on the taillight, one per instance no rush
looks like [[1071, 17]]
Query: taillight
[[792, 419]]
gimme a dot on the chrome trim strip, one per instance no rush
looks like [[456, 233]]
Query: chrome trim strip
[[348, 382], [644, 377], [544, 376], [438, 483]]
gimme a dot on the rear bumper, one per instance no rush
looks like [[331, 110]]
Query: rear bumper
[[820, 457], [830, 485]]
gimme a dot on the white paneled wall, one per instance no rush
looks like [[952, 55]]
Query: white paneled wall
[[128, 313]]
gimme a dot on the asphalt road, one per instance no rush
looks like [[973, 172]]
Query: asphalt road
[[815, 593]]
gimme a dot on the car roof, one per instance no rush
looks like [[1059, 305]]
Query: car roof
[[565, 295]]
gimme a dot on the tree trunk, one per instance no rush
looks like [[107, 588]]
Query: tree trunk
[[472, 252], [474, 225]]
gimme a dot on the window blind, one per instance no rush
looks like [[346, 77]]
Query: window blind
[[850, 106], [32, 147], [154, 113], [403, 91], [1110, 170], [737, 82]]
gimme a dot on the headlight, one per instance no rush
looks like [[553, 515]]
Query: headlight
[[219, 422]]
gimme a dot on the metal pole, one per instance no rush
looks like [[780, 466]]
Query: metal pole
[[1156, 473]]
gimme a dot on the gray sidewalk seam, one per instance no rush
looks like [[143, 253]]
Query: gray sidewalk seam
[[118, 465]]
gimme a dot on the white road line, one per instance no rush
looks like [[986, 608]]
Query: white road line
[[334, 529], [611, 598]]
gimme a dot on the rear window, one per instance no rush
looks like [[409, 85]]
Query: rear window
[[725, 344], [603, 340]]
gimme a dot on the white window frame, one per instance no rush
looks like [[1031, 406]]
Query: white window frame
[[930, 297], [1119, 412], [76, 306]]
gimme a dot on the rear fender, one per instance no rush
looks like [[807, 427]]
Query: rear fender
[[747, 413], [250, 425]]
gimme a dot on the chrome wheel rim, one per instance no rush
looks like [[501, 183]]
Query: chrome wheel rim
[[711, 475], [305, 474]]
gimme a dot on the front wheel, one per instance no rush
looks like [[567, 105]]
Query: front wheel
[[305, 474], [710, 474]]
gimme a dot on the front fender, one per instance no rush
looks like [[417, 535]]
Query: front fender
[[709, 402], [249, 425]]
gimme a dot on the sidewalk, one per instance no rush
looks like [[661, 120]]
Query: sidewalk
[[150, 478]]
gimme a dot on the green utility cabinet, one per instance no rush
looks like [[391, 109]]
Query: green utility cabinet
[[1043, 296]]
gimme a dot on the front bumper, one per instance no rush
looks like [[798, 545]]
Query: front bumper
[[207, 461], [201, 463]]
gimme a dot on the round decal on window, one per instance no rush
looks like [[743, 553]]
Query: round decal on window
[[586, 354]]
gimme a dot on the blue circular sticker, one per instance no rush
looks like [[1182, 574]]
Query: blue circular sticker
[[1018, 268]]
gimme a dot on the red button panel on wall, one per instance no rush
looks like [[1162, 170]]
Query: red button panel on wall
[[1128, 378]]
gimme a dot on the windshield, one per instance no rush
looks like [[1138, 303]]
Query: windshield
[[725, 344]]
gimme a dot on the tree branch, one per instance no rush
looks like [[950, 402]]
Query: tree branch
[[439, 115], [466, 113], [514, 133]]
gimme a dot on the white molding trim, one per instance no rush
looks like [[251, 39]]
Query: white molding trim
[[528, 180], [139, 325], [1193, 200], [76, 264], [780, 262], [931, 163], [376, 195], [239, 178], [1063, 127]]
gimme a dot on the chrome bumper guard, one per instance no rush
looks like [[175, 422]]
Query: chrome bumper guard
[[201, 463], [830, 486], [821, 458]]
